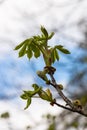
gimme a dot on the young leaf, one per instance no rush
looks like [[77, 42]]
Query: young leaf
[[42, 75], [46, 95], [44, 31], [51, 35], [29, 52], [35, 86], [19, 46], [43, 95], [28, 103], [22, 51], [64, 51], [32, 93], [60, 47], [53, 56], [35, 50], [24, 96], [49, 94], [56, 55]]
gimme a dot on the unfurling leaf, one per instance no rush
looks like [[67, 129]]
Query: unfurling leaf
[[42, 75], [55, 55], [28, 103], [19, 46], [44, 31], [62, 49], [46, 95], [36, 51], [49, 94], [24, 96], [22, 52], [43, 95], [32, 93], [65, 51], [29, 52], [51, 35], [35, 86]]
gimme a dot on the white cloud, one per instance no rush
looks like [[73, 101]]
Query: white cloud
[[20, 118]]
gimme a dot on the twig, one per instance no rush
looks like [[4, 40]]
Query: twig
[[54, 84], [70, 109], [68, 101]]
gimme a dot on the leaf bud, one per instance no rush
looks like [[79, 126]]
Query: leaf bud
[[60, 86], [42, 75], [77, 104]]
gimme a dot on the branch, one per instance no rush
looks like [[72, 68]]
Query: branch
[[70, 109], [68, 101], [54, 84]]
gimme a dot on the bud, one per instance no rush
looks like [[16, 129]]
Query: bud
[[49, 93], [77, 104], [60, 86], [42, 75]]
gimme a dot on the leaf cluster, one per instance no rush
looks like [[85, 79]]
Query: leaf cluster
[[37, 45], [45, 95]]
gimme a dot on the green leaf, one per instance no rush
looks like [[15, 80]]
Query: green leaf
[[28, 103], [64, 51], [24, 96], [35, 86], [29, 52], [56, 55], [19, 46], [53, 56], [35, 50], [42, 75], [44, 31], [32, 93], [60, 47], [49, 94], [51, 35], [22, 52], [44, 95]]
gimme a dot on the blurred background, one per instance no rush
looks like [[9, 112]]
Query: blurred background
[[20, 20]]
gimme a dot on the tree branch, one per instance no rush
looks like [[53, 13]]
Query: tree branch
[[70, 109], [68, 101]]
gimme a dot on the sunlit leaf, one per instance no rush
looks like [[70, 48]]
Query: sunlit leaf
[[49, 94], [44, 95], [32, 93]]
